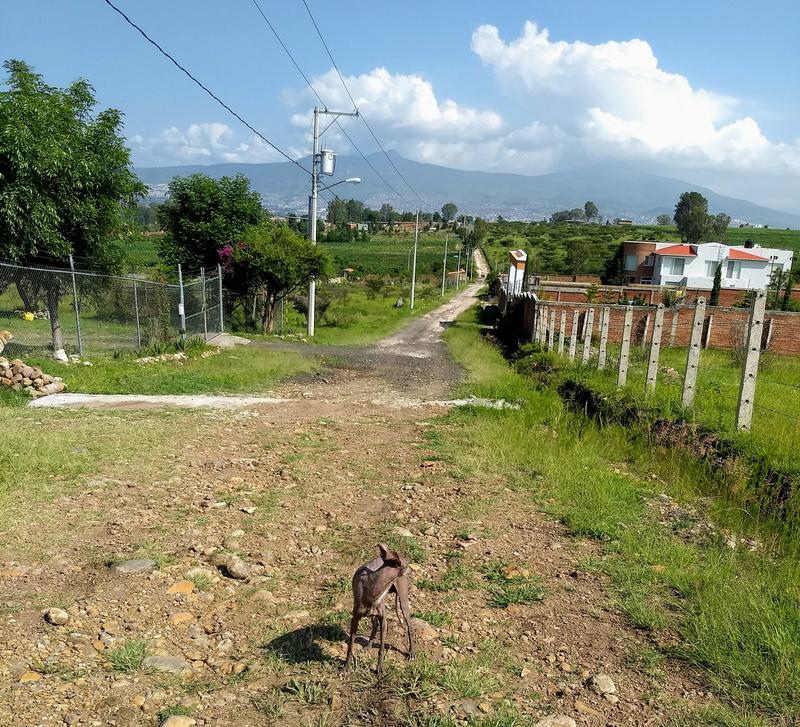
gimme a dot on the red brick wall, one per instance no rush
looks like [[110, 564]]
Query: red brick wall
[[726, 323]]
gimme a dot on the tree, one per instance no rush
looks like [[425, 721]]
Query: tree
[[577, 254], [663, 220], [717, 226], [716, 287], [449, 211], [202, 214], [355, 210], [269, 261], [387, 213], [691, 217], [337, 212], [66, 184], [591, 211]]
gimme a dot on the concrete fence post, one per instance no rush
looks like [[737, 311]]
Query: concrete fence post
[[673, 331], [203, 299], [181, 306], [693, 355], [709, 323], [562, 332], [573, 339], [747, 388], [605, 316], [655, 349], [587, 337], [76, 305], [221, 307], [625, 348], [646, 330], [552, 331], [543, 326], [535, 327], [136, 312]]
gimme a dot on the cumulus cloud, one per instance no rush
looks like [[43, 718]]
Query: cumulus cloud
[[616, 95], [203, 143]]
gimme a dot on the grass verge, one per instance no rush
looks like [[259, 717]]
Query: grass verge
[[736, 611]]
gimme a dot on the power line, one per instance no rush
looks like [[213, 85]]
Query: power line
[[204, 87], [355, 105], [322, 101]]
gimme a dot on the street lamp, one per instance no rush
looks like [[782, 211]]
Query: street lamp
[[349, 180]]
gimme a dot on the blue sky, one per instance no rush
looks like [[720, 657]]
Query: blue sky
[[703, 90]]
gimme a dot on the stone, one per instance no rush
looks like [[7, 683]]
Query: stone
[[611, 698], [556, 720], [56, 616], [181, 587], [171, 664], [178, 720], [181, 617], [485, 707], [583, 708], [602, 684], [137, 565], [423, 630], [29, 676], [403, 532], [234, 567]]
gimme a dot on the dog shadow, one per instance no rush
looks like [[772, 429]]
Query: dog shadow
[[303, 645]]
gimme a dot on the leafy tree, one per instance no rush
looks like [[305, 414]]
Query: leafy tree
[[387, 213], [664, 220], [65, 179], [691, 217], [449, 211], [337, 212], [355, 210], [269, 261], [716, 286], [202, 214], [577, 254], [787, 292], [591, 211], [717, 226]]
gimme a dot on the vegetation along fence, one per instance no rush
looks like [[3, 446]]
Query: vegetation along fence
[[723, 362], [79, 311]]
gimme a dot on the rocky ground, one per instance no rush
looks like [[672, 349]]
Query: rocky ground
[[211, 586]]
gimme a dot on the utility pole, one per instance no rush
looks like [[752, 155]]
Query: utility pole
[[444, 263], [414, 268], [458, 267], [312, 203]]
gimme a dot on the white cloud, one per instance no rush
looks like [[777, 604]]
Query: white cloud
[[616, 96], [203, 143]]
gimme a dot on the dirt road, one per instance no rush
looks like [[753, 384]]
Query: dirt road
[[247, 528]]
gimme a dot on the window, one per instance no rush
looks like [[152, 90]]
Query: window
[[734, 270], [647, 281], [672, 266], [649, 260], [711, 268], [631, 262]]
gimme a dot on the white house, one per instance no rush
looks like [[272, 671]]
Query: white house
[[694, 266], [516, 271]]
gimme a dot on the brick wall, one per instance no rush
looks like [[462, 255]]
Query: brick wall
[[723, 326]]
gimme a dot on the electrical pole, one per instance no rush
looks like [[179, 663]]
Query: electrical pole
[[444, 263], [458, 266], [312, 203], [414, 268]]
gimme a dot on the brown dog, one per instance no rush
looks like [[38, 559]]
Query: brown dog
[[371, 583]]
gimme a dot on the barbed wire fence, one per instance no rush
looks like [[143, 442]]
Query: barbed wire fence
[[746, 381], [88, 312]]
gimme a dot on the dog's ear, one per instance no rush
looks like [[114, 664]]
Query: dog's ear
[[390, 557]]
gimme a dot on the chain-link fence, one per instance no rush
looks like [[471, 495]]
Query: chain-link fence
[[46, 308]]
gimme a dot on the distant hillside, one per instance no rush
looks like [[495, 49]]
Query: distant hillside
[[618, 190]]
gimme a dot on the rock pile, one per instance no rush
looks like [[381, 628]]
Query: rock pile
[[18, 375]]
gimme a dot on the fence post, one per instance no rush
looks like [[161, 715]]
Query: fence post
[[673, 331], [562, 332], [537, 311], [203, 302], [573, 339], [221, 309], [646, 330], [709, 323], [625, 348], [693, 356], [655, 349], [181, 309], [587, 337], [605, 315], [136, 310], [551, 333], [747, 389], [76, 306]]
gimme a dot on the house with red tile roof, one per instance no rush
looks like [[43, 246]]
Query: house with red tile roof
[[693, 266]]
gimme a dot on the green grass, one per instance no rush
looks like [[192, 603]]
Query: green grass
[[437, 619], [128, 657], [239, 370], [737, 612], [358, 320], [391, 254], [176, 709]]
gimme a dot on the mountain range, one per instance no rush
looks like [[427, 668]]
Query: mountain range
[[617, 189]]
